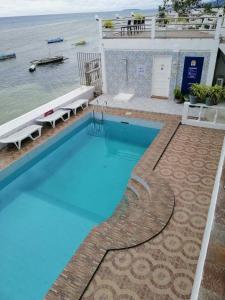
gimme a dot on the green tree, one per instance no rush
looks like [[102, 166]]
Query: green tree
[[207, 7], [162, 11], [182, 7]]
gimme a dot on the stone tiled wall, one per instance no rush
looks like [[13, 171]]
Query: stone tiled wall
[[140, 85]]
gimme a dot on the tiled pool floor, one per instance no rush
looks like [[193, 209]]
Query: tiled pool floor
[[164, 267]]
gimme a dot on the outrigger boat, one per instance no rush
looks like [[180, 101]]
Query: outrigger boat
[[48, 60], [56, 40], [45, 61], [80, 43], [4, 56]]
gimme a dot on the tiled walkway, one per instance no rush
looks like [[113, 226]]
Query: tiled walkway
[[213, 283], [164, 268]]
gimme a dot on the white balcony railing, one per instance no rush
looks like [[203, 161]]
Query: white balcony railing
[[204, 116], [154, 27]]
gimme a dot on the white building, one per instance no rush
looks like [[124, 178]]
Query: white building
[[150, 57]]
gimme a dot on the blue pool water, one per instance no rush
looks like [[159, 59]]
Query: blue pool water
[[48, 210]]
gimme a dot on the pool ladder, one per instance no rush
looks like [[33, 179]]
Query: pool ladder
[[96, 128]]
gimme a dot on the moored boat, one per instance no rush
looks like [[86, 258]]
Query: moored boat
[[80, 43], [4, 56], [48, 60], [55, 40], [32, 68], [45, 61]]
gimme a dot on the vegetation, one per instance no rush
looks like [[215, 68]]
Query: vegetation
[[177, 93], [200, 91], [162, 11], [138, 16], [207, 7], [218, 93], [179, 98], [108, 24], [182, 7], [214, 94]]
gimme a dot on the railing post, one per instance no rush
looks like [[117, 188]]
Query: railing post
[[100, 28], [153, 28], [218, 27], [185, 112], [216, 116]]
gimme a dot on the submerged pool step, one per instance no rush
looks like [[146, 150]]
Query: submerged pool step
[[64, 205], [127, 155]]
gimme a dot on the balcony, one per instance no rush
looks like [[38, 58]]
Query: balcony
[[162, 28]]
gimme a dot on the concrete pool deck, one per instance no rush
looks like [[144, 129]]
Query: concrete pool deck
[[142, 104], [164, 266]]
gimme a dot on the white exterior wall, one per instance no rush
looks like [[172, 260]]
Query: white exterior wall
[[162, 45], [212, 66]]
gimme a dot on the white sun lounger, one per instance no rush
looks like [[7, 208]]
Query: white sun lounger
[[17, 137], [83, 103], [62, 114]]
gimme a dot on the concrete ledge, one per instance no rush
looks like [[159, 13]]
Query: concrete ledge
[[30, 117]]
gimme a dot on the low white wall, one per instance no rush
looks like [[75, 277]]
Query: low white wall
[[208, 228], [207, 116], [86, 92], [161, 44]]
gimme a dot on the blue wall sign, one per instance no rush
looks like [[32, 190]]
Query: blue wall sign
[[192, 72]]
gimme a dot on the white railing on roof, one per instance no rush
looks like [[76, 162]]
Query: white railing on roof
[[170, 27], [128, 28], [204, 116]]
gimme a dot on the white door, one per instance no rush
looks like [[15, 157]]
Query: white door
[[161, 73]]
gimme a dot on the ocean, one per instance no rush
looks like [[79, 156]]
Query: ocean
[[22, 91]]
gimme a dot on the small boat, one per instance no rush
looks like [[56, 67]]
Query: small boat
[[80, 43], [45, 61], [32, 68], [48, 60], [4, 56], [55, 40]]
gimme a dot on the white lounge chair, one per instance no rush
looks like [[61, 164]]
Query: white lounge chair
[[17, 137], [62, 114], [83, 103]]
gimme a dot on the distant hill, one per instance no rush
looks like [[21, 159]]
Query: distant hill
[[216, 3], [131, 9]]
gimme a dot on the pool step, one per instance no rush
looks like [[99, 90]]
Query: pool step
[[127, 156], [81, 212], [139, 189]]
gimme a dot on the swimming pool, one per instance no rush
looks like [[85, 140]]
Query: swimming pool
[[52, 198]]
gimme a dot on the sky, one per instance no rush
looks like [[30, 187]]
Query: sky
[[36, 7]]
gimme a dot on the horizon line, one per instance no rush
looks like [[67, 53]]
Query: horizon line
[[81, 12]]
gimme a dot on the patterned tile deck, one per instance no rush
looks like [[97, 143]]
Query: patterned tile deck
[[164, 267], [213, 283]]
